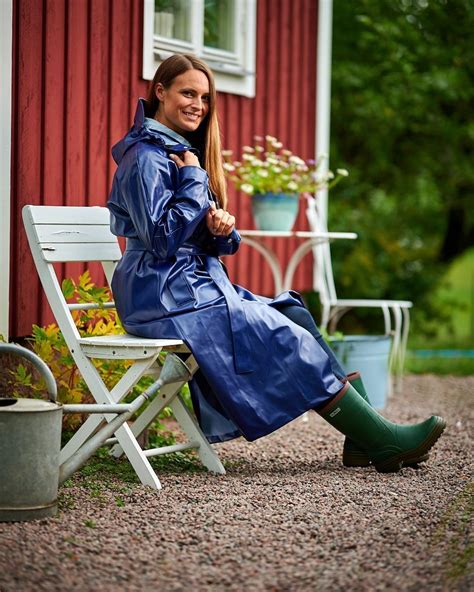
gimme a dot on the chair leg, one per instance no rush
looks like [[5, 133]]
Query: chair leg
[[325, 316], [125, 437], [169, 396], [137, 459], [403, 346], [397, 342], [128, 443], [189, 425], [154, 408], [149, 414], [128, 380]]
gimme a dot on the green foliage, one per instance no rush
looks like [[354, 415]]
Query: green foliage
[[441, 366], [455, 293], [48, 343], [402, 98]]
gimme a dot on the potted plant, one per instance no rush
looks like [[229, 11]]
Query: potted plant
[[275, 178]]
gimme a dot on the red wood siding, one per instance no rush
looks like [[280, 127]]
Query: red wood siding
[[77, 76]]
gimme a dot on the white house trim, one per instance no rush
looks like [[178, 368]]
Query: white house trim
[[6, 41], [234, 72], [323, 90]]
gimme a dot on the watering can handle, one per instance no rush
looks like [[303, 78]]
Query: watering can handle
[[13, 348]]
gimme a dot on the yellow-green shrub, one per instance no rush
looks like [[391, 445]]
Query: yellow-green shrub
[[48, 343]]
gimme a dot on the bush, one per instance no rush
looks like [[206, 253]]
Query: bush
[[49, 344]]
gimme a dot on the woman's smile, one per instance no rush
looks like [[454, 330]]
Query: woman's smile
[[185, 103]]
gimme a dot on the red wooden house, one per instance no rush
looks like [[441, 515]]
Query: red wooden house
[[74, 70]]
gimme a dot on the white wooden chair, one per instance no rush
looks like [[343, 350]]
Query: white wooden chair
[[334, 308], [63, 234]]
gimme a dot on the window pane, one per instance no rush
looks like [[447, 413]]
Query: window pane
[[173, 19], [219, 22]]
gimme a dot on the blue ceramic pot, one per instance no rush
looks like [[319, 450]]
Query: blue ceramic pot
[[275, 211]]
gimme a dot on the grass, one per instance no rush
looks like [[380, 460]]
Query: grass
[[439, 366], [454, 533], [456, 295]]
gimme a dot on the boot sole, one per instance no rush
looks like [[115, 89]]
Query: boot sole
[[362, 460], [356, 460], [410, 457]]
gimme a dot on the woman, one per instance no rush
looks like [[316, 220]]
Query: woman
[[262, 362]]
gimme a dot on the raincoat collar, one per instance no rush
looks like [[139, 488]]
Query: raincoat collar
[[166, 131], [145, 128]]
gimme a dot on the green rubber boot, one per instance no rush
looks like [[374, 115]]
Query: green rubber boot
[[387, 445], [353, 455]]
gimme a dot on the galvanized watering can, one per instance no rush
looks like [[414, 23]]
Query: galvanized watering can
[[30, 440]]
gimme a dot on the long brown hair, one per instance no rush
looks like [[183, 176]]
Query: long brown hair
[[207, 137]]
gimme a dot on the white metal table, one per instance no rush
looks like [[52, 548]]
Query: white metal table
[[283, 278]]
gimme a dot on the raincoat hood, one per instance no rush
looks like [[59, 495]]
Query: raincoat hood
[[142, 130]]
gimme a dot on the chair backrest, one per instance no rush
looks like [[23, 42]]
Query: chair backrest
[[323, 277], [65, 234]]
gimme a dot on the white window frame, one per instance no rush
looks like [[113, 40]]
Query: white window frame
[[234, 72]]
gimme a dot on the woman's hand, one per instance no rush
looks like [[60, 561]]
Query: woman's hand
[[219, 222], [187, 158]]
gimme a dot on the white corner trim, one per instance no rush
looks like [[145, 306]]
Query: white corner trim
[[323, 90], [6, 42]]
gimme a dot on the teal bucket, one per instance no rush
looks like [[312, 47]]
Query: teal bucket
[[275, 211], [370, 356]]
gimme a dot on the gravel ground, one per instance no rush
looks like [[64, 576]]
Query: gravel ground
[[287, 516]]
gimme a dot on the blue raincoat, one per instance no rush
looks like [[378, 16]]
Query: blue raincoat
[[258, 369]]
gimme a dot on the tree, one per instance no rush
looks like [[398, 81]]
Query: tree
[[402, 123]]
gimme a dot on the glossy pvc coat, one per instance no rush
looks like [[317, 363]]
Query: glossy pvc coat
[[258, 370]]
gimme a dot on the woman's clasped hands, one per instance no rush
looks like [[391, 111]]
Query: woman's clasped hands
[[219, 221], [187, 158]]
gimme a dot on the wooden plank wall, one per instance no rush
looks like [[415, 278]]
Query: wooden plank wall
[[77, 76]]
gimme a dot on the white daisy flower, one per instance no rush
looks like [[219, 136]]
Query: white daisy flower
[[247, 188], [292, 186], [296, 160]]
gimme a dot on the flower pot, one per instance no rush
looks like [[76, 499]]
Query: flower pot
[[275, 211], [370, 356]]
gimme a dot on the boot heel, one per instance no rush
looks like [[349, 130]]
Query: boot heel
[[388, 466], [355, 458]]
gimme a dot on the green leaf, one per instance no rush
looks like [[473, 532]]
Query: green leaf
[[68, 288]]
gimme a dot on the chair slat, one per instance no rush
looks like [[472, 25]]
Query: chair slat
[[74, 233], [87, 252], [66, 215]]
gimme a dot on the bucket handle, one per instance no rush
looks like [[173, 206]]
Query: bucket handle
[[18, 350]]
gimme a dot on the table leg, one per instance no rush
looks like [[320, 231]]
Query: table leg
[[295, 260], [271, 259]]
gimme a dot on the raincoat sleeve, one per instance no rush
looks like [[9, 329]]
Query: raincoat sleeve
[[166, 203], [226, 245]]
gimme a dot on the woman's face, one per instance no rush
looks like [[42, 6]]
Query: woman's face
[[185, 103]]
